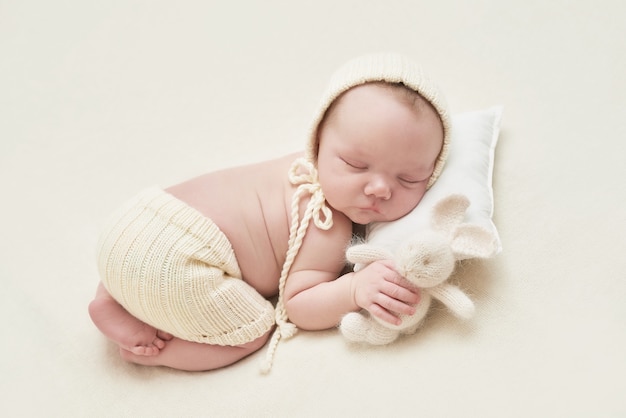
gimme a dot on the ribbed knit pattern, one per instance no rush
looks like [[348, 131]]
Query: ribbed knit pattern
[[173, 268], [388, 67]]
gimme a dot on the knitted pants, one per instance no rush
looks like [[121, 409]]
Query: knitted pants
[[172, 268]]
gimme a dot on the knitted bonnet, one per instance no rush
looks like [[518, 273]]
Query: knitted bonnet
[[386, 67]]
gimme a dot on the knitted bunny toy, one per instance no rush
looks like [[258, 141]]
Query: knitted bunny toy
[[426, 259]]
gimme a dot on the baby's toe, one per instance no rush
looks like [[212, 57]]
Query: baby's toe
[[138, 350], [165, 336], [142, 350]]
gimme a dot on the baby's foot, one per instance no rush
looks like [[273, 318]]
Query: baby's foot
[[125, 330], [144, 340]]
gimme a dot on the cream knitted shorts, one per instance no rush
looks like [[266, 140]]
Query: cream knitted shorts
[[172, 268]]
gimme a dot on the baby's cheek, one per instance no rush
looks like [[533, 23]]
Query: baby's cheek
[[409, 202]]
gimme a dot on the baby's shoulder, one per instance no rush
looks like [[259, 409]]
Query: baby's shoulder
[[331, 239], [324, 249]]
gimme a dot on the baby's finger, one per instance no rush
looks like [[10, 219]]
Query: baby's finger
[[400, 293], [393, 276], [388, 263], [395, 306], [385, 315]]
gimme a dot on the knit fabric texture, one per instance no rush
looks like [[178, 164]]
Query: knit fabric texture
[[172, 268], [427, 258], [303, 175], [385, 67]]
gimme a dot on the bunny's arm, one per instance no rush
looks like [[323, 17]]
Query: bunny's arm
[[366, 254], [454, 299]]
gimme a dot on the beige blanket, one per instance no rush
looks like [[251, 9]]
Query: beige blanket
[[100, 99]]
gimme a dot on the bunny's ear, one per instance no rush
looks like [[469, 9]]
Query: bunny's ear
[[472, 241], [454, 299], [365, 254], [449, 212]]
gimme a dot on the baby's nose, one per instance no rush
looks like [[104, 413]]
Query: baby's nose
[[379, 188]]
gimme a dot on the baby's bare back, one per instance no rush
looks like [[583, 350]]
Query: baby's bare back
[[251, 205]]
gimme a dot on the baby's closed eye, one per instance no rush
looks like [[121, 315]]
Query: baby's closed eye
[[354, 164], [410, 181]]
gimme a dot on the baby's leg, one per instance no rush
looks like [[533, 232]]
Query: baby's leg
[[124, 329], [186, 355]]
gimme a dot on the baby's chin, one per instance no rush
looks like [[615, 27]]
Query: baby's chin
[[367, 216]]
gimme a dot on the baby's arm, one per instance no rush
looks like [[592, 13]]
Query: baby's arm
[[316, 298]]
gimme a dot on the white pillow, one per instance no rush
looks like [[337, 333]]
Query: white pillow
[[468, 171]]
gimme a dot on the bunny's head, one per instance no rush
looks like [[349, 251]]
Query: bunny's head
[[429, 258]]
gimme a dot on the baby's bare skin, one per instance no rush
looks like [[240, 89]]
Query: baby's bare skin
[[251, 205], [375, 157], [128, 332]]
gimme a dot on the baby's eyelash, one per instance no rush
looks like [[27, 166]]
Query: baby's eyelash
[[354, 164], [410, 181]]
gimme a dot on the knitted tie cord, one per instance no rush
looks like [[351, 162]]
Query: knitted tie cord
[[302, 174]]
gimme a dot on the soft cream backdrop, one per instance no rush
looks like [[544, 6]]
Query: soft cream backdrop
[[99, 99]]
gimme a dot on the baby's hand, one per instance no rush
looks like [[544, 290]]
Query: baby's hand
[[383, 292]]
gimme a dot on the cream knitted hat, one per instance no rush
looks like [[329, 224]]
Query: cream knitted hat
[[388, 67]]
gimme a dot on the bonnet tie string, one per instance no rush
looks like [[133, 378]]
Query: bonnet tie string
[[302, 174]]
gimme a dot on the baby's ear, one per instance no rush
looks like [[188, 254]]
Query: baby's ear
[[366, 254], [472, 241], [449, 212]]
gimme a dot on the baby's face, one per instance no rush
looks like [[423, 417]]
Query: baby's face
[[377, 153]]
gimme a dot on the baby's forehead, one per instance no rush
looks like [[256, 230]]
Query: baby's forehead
[[398, 90], [375, 99], [352, 98]]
